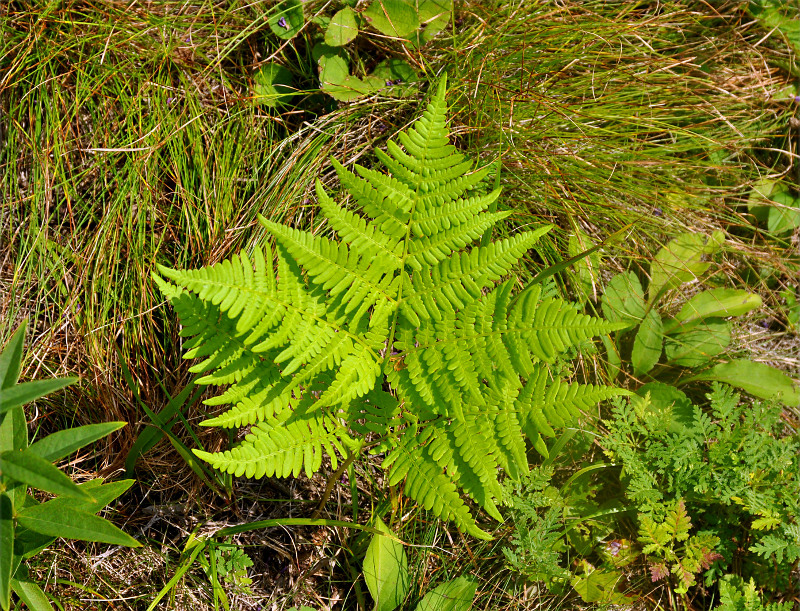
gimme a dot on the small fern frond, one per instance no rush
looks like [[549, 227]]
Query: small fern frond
[[426, 484], [467, 454], [361, 282], [545, 402], [283, 449]]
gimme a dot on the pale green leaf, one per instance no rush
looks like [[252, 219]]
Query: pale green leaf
[[434, 15], [342, 28], [272, 85], [647, 344], [758, 379], [623, 300], [784, 214], [716, 303], [392, 18], [454, 595], [698, 345], [386, 571], [682, 260]]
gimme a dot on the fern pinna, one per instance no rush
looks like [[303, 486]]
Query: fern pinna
[[397, 337]]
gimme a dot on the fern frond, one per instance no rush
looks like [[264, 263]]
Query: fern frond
[[283, 449], [307, 334], [364, 237], [459, 279], [426, 484], [362, 282], [466, 453], [545, 402]]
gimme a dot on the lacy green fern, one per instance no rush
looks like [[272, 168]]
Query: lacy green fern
[[397, 333]]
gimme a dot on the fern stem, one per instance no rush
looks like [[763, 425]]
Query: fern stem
[[331, 483]]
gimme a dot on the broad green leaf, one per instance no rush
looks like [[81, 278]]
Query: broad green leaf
[[342, 28], [6, 549], [287, 19], [624, 300], [682, 260], [32, 595], [392, 18], [697, 345], [647, 344], [28, 391], [758, 202], [758, 379], [386, 571], [670, 405], [35, 471], [335, 79], [784, 214], [272, 85], [63, 443], [55, 521], [11, 358], [599, 585], [433, 15], [716, 303], [454, 595]]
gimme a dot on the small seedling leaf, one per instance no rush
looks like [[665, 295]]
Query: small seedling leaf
[[386, 571], [342, 29]]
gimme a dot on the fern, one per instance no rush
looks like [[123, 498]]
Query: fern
[[307, 333]]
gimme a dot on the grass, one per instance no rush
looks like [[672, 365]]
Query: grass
[[129, 136]]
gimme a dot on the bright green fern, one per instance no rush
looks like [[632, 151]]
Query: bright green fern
[[397, 334]]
